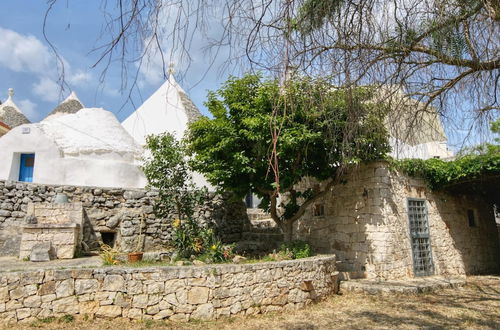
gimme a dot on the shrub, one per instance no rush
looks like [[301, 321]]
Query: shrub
[[191, 239], [108, 255], [297, 249]]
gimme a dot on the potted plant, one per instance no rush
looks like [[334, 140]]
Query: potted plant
[[136, 255]]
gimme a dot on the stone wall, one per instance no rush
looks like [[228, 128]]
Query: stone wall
[[175, 293], [115, 211], [365, 223]]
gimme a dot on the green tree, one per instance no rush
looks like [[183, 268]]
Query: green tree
[[166, 168], [266, 138]]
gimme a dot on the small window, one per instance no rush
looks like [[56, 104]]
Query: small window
[[318, 210], [471, 217]]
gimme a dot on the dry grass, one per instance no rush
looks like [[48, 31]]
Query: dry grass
[[475, 306]]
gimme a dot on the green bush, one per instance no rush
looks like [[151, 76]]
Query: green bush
[[191, 239], [298, 249]]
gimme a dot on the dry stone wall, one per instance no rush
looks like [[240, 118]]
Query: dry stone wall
[[113, 211], [175, 293], [365, 223]]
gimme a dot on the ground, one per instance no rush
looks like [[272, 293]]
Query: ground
[[474, 306]]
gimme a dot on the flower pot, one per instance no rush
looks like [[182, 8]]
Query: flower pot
[[135, 256]]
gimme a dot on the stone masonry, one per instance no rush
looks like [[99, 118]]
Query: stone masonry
[[175, 293], [365, 223], [56, 224], [113, 211]]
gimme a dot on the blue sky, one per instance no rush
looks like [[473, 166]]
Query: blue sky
[[28, 65]]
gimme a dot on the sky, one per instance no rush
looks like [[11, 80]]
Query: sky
[[28, 65]]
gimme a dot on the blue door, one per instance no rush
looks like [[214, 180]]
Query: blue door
[[26, 167]]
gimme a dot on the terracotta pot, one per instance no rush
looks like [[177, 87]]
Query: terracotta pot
[[135, 256]]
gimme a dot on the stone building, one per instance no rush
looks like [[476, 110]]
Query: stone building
[[72, 146], [384, 224], [4, 128], [10, 114]]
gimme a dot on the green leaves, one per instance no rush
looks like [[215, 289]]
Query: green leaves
[[439, 173], [318, 128], [167, 169]]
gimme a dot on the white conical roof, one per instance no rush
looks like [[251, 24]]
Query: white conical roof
[[10, 113], [90, 131], [169, 109], [70, 105]]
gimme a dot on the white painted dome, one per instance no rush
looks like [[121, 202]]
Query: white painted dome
[[90, 131]]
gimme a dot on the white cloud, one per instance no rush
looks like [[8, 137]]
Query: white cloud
[[47, 89], [79, 78], [28, 108], [24, 53]]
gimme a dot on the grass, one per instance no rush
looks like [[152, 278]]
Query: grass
[[475, 306]]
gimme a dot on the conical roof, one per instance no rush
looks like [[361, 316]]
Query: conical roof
[[70, 105], [169, 109], [10, 113], [90, 131]]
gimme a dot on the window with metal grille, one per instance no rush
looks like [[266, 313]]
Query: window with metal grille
[[420, 238]]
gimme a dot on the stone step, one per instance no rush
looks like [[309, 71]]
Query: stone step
[[264, 223], [257, 214], [250, 236], [404, 286]]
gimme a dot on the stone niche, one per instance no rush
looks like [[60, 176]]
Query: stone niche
[[56, 225]]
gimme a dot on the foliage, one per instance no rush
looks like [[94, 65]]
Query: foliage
[[108, 255], [476, 162], [318, 129], [192, 239], [167, 170], [297, 248]]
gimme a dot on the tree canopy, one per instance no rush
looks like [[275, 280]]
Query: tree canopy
[[321, 130]]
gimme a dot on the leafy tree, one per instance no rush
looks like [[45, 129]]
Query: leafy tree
[[321, 131], [166, 169]]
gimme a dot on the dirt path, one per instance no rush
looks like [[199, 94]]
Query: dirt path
[[475, 306]]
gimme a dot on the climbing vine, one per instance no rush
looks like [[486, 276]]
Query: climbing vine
[[476, 162]]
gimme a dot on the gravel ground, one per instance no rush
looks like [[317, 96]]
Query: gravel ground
[[474, 306]]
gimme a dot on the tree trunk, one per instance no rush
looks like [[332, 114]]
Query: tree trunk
[[287, 228]]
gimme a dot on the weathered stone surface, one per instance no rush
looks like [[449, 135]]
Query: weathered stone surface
[[33, 301], [41, 252], [201, 292], [107, 209], [198, 295], [65, 288], [113, 283], [86, 286], [46, 288], [67, 305], [109, 311], [203, 312]]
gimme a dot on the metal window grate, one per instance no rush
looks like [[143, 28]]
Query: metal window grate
[[420, 238]]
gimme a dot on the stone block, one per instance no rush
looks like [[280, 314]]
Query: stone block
[[68, 305], [86, 286], [203, 312], [32, 301], [110, 311], [113, 283], [65, 288], [41, 252]]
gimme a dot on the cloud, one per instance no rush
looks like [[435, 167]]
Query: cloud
[[28, 108], [47, 89], [24, 53], [79, 78]]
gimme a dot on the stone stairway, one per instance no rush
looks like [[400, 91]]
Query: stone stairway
[[403, 286], [262, 235]]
